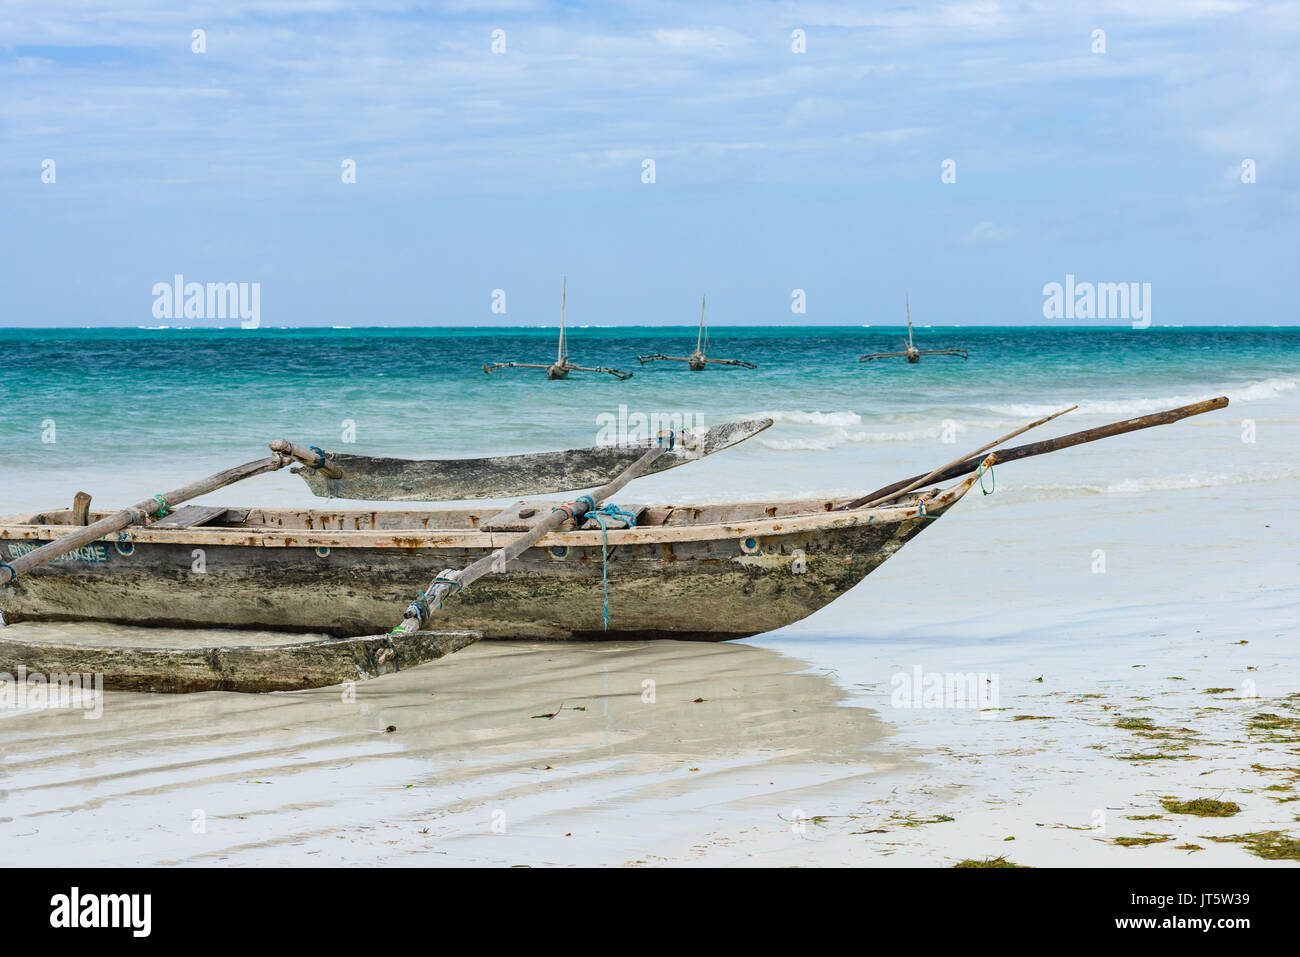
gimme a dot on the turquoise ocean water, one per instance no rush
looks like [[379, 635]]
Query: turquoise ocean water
[[135, 404]]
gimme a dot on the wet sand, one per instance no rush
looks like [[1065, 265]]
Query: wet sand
[[621, 773], [775, 765]]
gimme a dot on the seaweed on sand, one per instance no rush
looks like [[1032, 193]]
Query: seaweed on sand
[[1270, 845], [1201, 807], [988, 862]]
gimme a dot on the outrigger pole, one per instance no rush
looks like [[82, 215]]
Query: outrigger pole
[[911, 353], [561, 367], [697, 360], [159, 505], [966, 466]]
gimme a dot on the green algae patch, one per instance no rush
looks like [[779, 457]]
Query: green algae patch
[[1202, 807], [1219, 690], [1144, 841], [921, 821], [907, 820], [1270, 845], [1152, 757], [1032, 717], [1188, 847], [1267, 721], [1135, 724], [988, 862]]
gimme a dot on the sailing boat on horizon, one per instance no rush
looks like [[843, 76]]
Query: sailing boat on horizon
[[911, 353], [698, 359], [561, 367]]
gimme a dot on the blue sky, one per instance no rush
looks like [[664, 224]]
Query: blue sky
[[774, 170]]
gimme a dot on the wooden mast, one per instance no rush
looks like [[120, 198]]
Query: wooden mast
[[912, 354], [697, 359], [560, 369], [564, 295]]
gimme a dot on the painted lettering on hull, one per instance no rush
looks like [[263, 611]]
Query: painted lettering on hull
[[94, 552]]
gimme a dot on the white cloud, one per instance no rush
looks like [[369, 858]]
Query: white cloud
[[988, 233]]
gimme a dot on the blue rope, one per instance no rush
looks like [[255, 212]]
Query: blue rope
[[320, 462], [987, 491], [599, 515], [439, 580], [414, 610], [12, 571], [613, 511]]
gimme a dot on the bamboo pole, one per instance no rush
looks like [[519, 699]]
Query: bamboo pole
[[979, 451], [1053, 445], [155, 507]]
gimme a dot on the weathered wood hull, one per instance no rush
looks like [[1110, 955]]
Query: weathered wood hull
[[375, 479], [674, 579], [204, 666]]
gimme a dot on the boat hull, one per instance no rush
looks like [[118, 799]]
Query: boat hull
[[710, 590], [726, 581]]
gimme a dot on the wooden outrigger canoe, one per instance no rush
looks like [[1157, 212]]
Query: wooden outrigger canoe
[[698, 360], [910, 352], [700, 572], [561, 367]]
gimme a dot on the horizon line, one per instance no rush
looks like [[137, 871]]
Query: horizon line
[[537, 326]]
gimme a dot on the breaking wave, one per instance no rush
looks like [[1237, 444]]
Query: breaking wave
[[840, 419], [1164, 483], [1242, 392], [836, 430]]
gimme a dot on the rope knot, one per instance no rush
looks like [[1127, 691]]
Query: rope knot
[[920, 505]]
